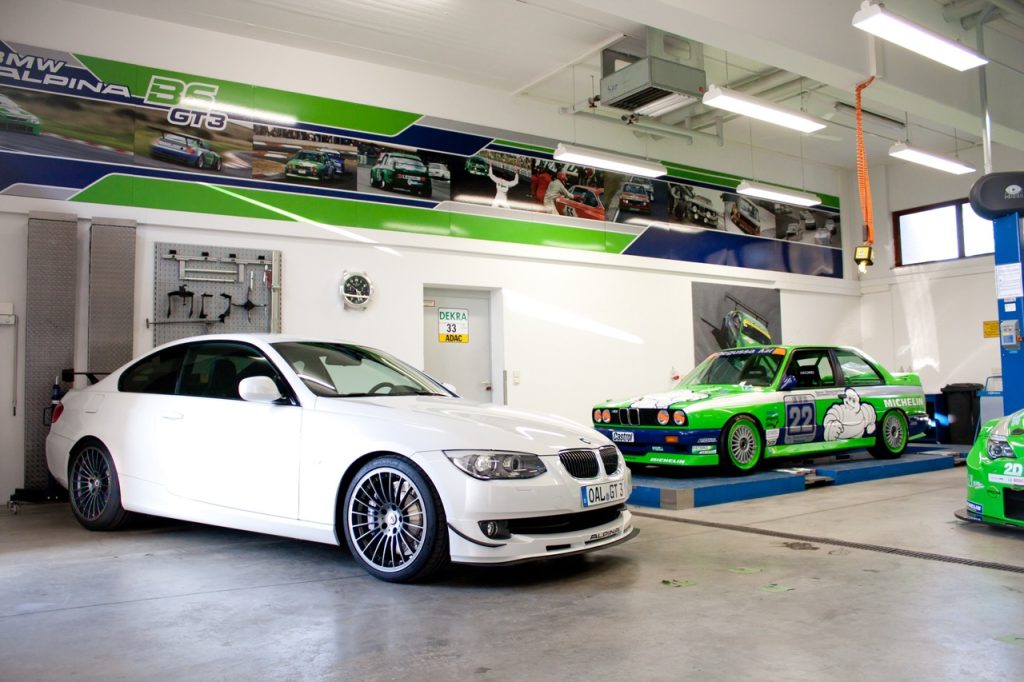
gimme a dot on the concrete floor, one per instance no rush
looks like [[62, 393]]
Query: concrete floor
[[167, 600]]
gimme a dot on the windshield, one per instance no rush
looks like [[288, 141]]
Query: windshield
[[753, 367], [409, 164], [337, 370], [634, 189], [308, 156]]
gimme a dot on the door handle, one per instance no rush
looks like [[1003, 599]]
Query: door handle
[[174, 416]]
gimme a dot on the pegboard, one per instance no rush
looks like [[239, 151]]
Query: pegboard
[[214, 290]]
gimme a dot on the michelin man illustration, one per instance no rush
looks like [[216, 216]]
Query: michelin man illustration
[[501, 187], [849, 419]]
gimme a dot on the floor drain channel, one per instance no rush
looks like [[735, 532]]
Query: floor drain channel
[[929, 556]]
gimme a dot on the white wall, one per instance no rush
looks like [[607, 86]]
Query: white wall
[[928, 318]]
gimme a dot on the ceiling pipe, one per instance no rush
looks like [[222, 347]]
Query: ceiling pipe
[[986, 114], [621, 117]]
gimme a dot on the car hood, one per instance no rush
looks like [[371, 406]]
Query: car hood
[[440, 422], [684, 397]]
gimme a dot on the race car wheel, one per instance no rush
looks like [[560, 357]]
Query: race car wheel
[[741, 446], [94, 488], [219, 165], [890, 436], [200, 162], [394, 522]]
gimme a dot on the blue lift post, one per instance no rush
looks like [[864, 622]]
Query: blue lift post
[[1009, 256]]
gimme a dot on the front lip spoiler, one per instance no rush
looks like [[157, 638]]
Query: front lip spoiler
[[585, 550], [966, 515]]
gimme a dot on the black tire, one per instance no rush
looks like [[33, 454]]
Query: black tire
[[741, 445], [393, 521], [891, 436], [373, 183], [94, 488], [200, 162], [219, 165]]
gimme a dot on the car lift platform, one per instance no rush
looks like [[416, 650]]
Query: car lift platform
[[672, 488]]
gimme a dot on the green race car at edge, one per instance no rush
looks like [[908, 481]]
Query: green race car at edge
[[744, 405], [995, 473]]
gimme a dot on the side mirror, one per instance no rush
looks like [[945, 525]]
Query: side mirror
[[258, 390], [788, 382]]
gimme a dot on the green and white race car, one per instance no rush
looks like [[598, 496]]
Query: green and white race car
[[744, 405], [995, 473]]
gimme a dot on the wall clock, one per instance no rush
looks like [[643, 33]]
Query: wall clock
[[356, 290]]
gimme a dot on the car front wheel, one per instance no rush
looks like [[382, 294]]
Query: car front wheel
[[891, 438], [394, 522], [94, 489], [740, 446]]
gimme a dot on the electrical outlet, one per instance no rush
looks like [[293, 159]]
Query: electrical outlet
[[515, 377], [6, 319]]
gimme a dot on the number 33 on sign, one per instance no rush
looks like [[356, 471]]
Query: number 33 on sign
[[452, 325]]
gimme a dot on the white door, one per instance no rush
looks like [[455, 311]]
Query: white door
[[457, 340], [224, 451]]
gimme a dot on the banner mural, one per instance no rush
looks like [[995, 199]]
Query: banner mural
[[734, 317], [86, 129]]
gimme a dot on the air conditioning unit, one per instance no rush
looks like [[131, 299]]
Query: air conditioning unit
[[647, 82]]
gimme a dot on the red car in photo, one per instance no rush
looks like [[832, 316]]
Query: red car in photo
[[634, 198], [585, 202]]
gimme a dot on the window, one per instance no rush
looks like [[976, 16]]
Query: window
[[156, 373], [939, 232], [334, 370], [213, 370], [811, 369], [856, 370]]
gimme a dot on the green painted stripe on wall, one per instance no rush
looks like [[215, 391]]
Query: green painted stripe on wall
[[523, 145]]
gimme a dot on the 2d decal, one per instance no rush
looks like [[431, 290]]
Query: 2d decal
[[850, 418]]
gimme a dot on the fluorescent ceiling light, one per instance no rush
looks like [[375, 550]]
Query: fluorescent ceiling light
[[903, 151], [737, 102], [662, 106], [570, 153], [879, 21], [780, 194]]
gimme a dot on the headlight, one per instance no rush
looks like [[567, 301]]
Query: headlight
[[663, 417], [495, 464], [679, 417], [999, 448], [597, 416], [606, 416]]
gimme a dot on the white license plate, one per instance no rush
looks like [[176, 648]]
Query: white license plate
[[622, 436], [603, 493]]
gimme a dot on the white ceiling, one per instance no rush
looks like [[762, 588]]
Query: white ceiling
[[545, 49]]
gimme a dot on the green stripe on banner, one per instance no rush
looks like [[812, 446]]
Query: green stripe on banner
[[523, 145], [330, 212], [304, 108], [539, 234]]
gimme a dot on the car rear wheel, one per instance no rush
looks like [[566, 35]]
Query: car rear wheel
[[394, 522], [200, 162], [740, 446], [94, 488], [891, 437]]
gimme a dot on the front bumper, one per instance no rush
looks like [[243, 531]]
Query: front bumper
[[469, 501], [691, 447], [992, 501]]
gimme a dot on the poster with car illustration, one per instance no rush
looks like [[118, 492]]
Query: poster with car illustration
[[734, 317], [403, 171], [304, 157], [43, 123], [162, 144]]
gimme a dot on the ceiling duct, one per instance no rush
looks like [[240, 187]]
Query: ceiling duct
[[668, 76]]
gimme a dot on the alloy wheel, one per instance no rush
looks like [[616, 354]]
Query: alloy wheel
[[387, 519], [90, 483]]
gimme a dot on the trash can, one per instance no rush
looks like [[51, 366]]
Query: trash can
[[963, 408]]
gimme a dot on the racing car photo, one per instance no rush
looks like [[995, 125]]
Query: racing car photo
[[477, 165], [634, 198], [13, 117], [310, 165], [401, 171], [742, 406], [337, 161], [585, 202], [995, 473], [191, 151]]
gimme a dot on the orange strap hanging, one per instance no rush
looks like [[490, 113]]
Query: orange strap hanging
[[863, 183]]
